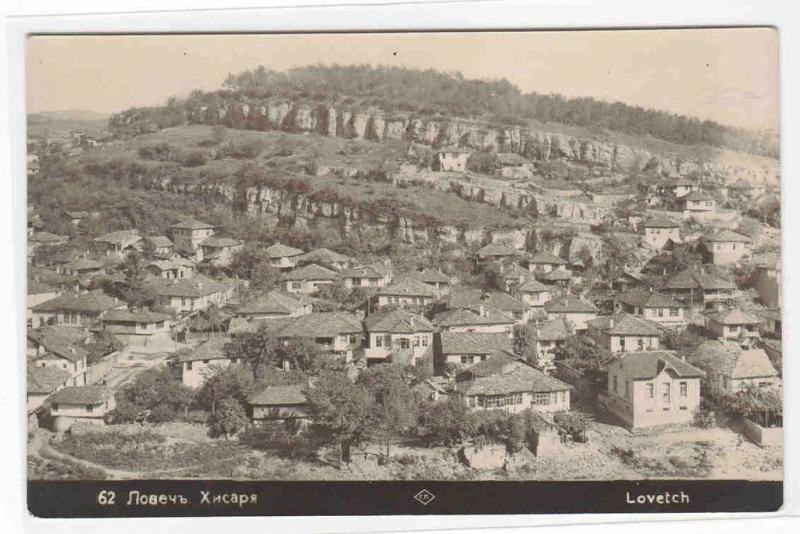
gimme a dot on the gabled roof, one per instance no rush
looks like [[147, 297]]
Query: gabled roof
[[532, 286], [474, 342], [46, 237], [278, 396], [121, 237], [698, 196], [557, 275], [220, 242], [274, 302], [408, 287], [43, 380], [647, 299], [195, 287], [81, 395], [516, 377], [461, 297], [397, 322], [693, 279], [471, 317], [544, 257], [734, 317], [160, 241], [93, 301], [728, 359], [327, 324], [428, 276], [498, 249], [648, 365], [282, 251], [83, 264], [569, 304], [372, 271], [623, 324], [311, 272], [192, 224], [273, 326], [729, 236], [140, 316], [323, 255]]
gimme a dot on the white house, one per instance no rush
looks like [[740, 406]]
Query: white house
[[88, 404], [201, 363], [308, 279], [187, 235], [283, 257], [397, 336], [406, 292], [726, 247], [657, 231], [573, 309]]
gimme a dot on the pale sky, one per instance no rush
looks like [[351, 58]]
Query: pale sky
[[727, 75]]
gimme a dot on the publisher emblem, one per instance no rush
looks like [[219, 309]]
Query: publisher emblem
[[424, 497]]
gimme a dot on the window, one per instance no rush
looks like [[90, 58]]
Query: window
[[467, 359], [627, 388], [404, 343], [416, 341], [89, 408], [353, 338], [614, 383], [378, 341], [764, 384], [648, 388], [297, 285], [205, 361], [640, 343], [188, 366], [54, 406], [562, 396], [541, 399], [622, 343], [684, 389], [424, 341], [665, 392], [494, 401], [471, 402], [674, 312]]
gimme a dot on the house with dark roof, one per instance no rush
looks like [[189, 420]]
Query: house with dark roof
[[700, 290], [622, 332], [76, 310], [43, 382], [204, 361], [374, 275], [339, 334], [480, 318], [548, 337], [406, 292], [188, 234], [190, 294], [87, 404], [51, 347], [533, 293], [730, 369], [141, 330], [326, 257], [657, 230], [283, 257], [308, 279], [219, 251], [734, 324], [497, 252], [652, 306], [38, 292], [574, 309], [278, 403], [462, 297], [504, 382], [161, 245], [725, 247], [543, 262], [275, 305], [397, 336], [120, 243], [435, 279], [466, 348], [172, 269], [655, 388], [697, 204]]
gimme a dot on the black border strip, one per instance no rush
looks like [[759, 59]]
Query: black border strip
[[184, 498]]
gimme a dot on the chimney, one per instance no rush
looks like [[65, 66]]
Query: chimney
[[611, 322]]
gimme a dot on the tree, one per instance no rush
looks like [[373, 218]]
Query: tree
[[341, 410], [158, 390], [391, 388], [104, 343], [618, 256], [233, 381], [447, 423], [260, 350], [136, 293], [252, 263], [228, 419], [525, 343]]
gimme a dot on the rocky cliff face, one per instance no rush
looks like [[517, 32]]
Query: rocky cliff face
[[530, 143]]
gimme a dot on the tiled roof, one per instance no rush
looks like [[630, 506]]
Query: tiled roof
[[36, 288], [195, 287], [81, 395], [461, 297], [43, 380], [327, 324], [278, 396], [544, 257], [727, 358], [569, 304], [45, 237], [692, 279], [734, 316], [311, 272], [323, 255], [698, 195], [192, 224], [220, 242], [729, 236], [518, 378], [557, 275], [647, 299], [647, 365], [160, 240], [471, 317], [397, 322], [498, 249], [274, 302], [135, 316], [623, 324], [408, 287], [93, 301], [273, 326], [282, 251], [83, 264], [120, 237], [532, 286], [371, 271], [474, 342]]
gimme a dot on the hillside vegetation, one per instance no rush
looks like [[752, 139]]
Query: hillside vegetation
[[429, 93]]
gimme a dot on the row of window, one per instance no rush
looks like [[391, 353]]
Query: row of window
[[649, 388], [403, 342]]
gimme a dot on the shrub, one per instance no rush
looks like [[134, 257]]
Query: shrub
[[195, 158], [705, 419], [228, 419]]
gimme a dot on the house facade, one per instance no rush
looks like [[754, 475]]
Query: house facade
[[75, 310], [187, 235], [657, 231], [573, 309], [406, 292], [308, 279], [219, 251], [87, 404], [140, 329], [283, 257], [727, 247], [622, 332], [652, 306], [397, 336]]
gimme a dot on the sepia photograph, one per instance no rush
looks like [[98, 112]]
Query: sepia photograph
[[472, 257]]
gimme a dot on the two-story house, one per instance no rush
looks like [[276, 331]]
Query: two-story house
[[699, 290], [730, 369], [726, 247], [734, 324], [574, 309], [658, 231], [187, 235], [466, 348], [647, 389], [548, 337], [200, 364], [219, 251], [533, 293], [406, 292], [283, 257], [438, 281], [623, 332], [482, 318], [543, 262], [655, 307], [326, 257], [172, 269], [275, 305], [374, 275], [190, 294], [75, 309], [474, 298], [48, 348], [397, 336], [119, 244], [43, 382], [87, 404], [697, 204], [308, 279], [160, 245], [339, 334], [140, 329]]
